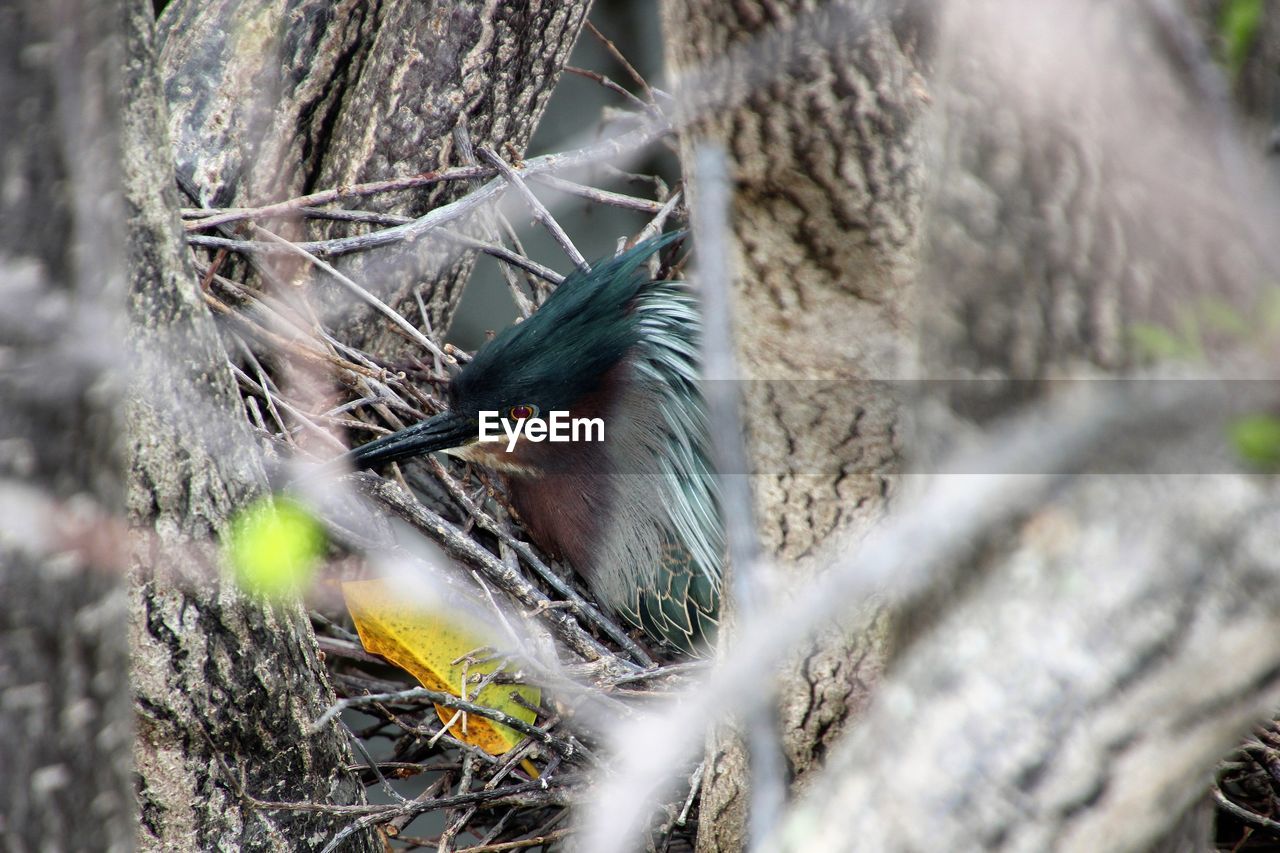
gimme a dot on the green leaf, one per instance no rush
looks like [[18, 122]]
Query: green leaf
[[1257, 439], [1220, 316], [273, 547], [1156, 342], [1238, 26], [1269, 311]]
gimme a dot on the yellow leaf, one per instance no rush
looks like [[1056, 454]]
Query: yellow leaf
[[426, 644]]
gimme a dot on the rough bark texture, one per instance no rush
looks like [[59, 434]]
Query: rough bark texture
[[817, 106], [1080, 697], [1077, 669], [278, 97], [1073, 198], [225, 687], [65, 719]]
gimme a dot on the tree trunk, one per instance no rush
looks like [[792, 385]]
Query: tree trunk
[[1068, 209], [362, 91], [65, 720], [226, 687], [818, 110]]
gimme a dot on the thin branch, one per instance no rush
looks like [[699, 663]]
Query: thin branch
[[455, 210], [435, 526], [580, 605], [610, 85], [1244, 814], [558, 835], [654, 227], [365, 296], [540, 211], [621, 60], [204, 218], [626, 202], [767, 786]]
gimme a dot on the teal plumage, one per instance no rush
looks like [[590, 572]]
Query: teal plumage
[[636, 515]]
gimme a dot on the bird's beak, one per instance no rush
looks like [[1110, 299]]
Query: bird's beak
[[440, 432]]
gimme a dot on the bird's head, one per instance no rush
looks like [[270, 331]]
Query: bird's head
[[563, 358]]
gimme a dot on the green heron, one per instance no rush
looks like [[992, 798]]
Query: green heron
[[635, 513]]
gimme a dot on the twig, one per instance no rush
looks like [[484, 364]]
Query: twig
[[558, 835], [448, 700], [610, 85], [729, 454], [626, 202], [563, 625], [203, 218], [462, 140], [1244, 814], [539, 792], [654, 227], [580, 604], [365, 296], [372, 765], [540, 211], [622, 60], [454, 825], [410, 231]]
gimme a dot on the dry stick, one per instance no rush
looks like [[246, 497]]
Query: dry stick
[[423, 730], [211, 217], [303, 418], [396, 824], [256, 330], [539, 793], [436, 527], [767, 782], [540, 211], [610, 85], [531, 559], [654, 227], [386, 786], [365, 296], [462, 138], [608, 197], [276, 315], [679, 818], [622, 144], [501, 824], [502, 846], [506, 255], [622, 60], [1243, 813], [538, 286], [277, 310], [454, 824], [500, 252]]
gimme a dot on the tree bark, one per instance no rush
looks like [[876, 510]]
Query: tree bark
[[817, 106], [65, 720], [362, 91], [1055, 226], [1080, 697], [226, 687]]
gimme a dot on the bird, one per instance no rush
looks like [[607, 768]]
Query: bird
[[633, 510]]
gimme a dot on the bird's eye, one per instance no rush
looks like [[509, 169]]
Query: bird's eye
[[525, 410]]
